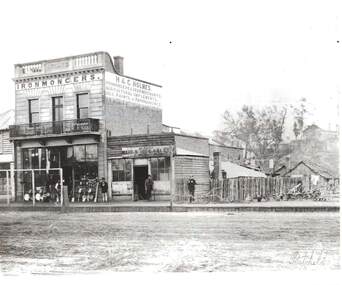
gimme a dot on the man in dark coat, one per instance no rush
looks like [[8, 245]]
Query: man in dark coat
[[148, 187], [191, 188], [103, 186]]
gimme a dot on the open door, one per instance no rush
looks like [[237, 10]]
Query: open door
[[140, 174]]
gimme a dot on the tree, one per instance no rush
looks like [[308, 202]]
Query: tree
[[299, 113], [261, 130], [296, 130]]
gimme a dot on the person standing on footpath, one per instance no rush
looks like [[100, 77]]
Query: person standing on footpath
[[191, 188], [148, 187], [103, 185]]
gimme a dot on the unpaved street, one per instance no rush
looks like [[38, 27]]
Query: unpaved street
[[93, 242]]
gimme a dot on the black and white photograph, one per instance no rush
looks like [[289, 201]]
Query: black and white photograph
[[170, 137]]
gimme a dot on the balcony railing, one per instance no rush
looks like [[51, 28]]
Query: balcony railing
[[66, 127]]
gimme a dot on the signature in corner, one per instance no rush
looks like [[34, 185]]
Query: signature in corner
[[309, 257]]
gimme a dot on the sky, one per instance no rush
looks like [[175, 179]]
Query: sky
[[209, 56]]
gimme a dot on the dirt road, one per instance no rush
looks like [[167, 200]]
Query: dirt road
[[159, 242]]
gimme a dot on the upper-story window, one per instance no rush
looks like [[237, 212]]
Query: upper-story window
[[57, 108], [82, 105], [33, 111]]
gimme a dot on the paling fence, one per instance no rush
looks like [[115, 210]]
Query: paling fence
[[270, 188]]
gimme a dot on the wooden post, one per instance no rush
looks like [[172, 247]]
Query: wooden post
[[7, 188], [73, 184], [132, 179], [109, 180], [172, 178], [12, 182], [33, 189], [61, 180]]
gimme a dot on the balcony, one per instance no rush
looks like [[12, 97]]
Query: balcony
[[55, 129]]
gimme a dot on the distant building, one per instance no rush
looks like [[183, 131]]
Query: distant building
[[6, 151], [228, 153], [6, 147], [317, 145], [222, 169], [309, 168]]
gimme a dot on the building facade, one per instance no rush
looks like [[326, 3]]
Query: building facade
[[6, 154], [66, 108], [166, 158]]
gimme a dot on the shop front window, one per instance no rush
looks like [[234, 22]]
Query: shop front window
[[79, 152], [91, 152], [160, 168], [34, 158], [121, 170], [56, 157]]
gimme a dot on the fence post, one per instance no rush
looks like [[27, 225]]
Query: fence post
[[61, 177], [7, 186], [33, 189]]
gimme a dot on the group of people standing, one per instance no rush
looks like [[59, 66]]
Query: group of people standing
[[54, 189]]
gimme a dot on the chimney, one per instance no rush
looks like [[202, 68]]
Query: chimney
[[118, 64], [217, 165]]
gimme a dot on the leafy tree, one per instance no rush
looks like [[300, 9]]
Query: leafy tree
[[261, 130]]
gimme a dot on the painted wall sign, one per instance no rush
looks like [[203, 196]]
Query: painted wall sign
[[74, 79], [146, 151], [132, 91]]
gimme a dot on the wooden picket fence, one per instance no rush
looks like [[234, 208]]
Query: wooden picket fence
[[249, 188], [182, 193]]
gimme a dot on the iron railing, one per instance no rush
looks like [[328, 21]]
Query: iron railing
[[66, 127]]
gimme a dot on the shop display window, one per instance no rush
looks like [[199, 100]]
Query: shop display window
[[121, 170], [160, 168]]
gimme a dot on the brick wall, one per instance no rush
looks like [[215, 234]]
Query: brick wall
[[122, 117]]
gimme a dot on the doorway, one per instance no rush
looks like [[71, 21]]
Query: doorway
[[140, 174]]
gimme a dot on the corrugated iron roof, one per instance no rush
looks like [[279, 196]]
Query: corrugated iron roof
[[234, 170]]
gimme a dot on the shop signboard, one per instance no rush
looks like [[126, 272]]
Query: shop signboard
[[58, 81], [133, 91], [147, 151]]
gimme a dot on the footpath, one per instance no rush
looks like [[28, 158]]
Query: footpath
[[167, 206]]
